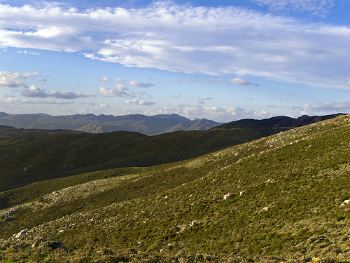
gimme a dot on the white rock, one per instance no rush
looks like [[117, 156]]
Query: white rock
[[241, 193], [20, 233], [192, 223], [227, 196], [345, 203]]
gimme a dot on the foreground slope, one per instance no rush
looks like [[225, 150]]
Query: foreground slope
[[281, 198]]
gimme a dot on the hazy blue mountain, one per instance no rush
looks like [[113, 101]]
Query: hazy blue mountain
[[149, 125]]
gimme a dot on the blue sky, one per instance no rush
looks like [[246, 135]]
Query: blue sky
[[223, 61]]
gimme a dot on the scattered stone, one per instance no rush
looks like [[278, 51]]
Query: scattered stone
[[7, 214], [192, 223], [270, 181], [21, 233], [227, 196], [35, 244], [345, 203], [25, 169]]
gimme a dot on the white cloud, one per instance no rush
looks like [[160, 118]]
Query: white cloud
[[120, 87], [178, 96], [115, 91], [21, 79], [139, 84], [327, 108], [222, 114], [322, 108], [26, 52], [204, 100], [15, 79], [13, 100], [139, 103], [183, 38], [104, 79], [241, 82], [35, 92], [315, 7], [22, 102]]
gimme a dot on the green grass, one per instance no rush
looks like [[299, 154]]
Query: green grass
[[37, 157], [284, 203]]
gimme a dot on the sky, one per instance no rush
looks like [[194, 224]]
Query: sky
[[220, 60]]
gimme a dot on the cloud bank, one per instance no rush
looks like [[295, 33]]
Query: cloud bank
[[241, 82], [35, 92], [139, 102], [20, 80], [139, 84], [315, 7], [184, 38], [15, 79]]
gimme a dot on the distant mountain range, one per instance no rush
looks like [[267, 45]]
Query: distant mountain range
[[148, 125]]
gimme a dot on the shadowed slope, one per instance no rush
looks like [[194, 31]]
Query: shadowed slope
[[28, 156]]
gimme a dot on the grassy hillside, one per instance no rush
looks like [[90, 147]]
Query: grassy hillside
[[277, 199], [40, 156]]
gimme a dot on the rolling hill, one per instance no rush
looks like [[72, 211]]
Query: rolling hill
[[278, 122], [39, 156], [28, 156], [283, 198], [149, 125], [7, 132]]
